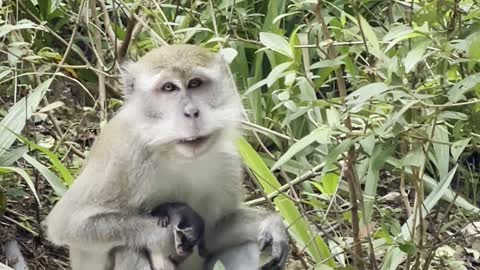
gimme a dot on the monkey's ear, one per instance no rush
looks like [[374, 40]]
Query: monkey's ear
[[128, 80], [228, 54]]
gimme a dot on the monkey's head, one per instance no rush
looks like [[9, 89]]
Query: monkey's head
[[183, 97]]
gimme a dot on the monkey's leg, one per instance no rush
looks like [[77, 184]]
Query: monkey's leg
[[248, 225], [88, 260], [242, 257], [131, 259]]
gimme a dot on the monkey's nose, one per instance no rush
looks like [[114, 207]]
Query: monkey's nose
[[191, 112]]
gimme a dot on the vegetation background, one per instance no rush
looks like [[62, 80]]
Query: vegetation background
[[362, 130]]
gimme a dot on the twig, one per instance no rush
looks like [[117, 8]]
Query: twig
[[350, 160], [97, 42]]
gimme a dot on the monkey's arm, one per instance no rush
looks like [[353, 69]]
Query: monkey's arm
[[101, 228], [250, 225]]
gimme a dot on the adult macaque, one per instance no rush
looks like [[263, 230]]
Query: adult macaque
[[172, 141]]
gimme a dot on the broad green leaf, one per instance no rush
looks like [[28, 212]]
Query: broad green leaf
[[275, 8], [432, 199], [391, 121], [397, 32], [22, 24], [276, 43], [327, 63], [55, 182], [441, 149], [416, 157], [363, 95], [330, 183], [376, 162], [334, 153], [10, 157], [415, 56], [459, 89], [281, 16], [393, 259], [14, 122], [299, 228], [277, 73], [431, 184], [458, 147], [371, 37], [402, 38], [25, 177], [320, 135], [255, 86], [53, 158], [228, 54], [473, 43]]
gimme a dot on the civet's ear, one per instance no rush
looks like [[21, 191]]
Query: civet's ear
[[128, 79], [228, 54]]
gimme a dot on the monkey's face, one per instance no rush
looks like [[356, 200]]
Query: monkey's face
[[184, 97]]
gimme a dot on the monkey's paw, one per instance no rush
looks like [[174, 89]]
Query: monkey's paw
[[162, 215], [280, 249]]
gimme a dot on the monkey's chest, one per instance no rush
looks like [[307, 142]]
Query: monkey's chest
[[206, 191]]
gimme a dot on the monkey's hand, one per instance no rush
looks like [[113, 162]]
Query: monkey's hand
[[162, 214], [274, 234]]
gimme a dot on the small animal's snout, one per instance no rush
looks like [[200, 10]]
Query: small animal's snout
[[191, 111]]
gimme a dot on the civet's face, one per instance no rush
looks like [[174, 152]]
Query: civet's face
[[187, 94]]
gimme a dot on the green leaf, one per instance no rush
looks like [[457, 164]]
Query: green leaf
[[55, 182], [53, 158], [473, 43], [277, 73], [415, 56], [330, 183], [14, 122], [298, 227], [45, 8], [320, 135], [397, 32], [459, 89], [276, 43], [12, 156], [371, 37], [361, 96], [255, 86], [408, 248], [441, 149], [458, 147], [432, 199], [25, 177], [416, 157], [22, 24], [327, 64], [376, 162]]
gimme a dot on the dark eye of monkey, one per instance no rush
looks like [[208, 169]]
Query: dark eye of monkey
[[168, 87], [194, 83]]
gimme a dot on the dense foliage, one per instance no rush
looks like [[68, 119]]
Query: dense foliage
[[363, 115]]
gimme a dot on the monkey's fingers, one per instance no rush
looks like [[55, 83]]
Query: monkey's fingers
[[265, 240], [278, 257], [163, 221]]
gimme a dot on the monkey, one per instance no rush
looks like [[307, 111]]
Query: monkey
[[173, 140], [187, 230]]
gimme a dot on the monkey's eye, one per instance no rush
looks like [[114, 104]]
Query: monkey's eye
[[194, 83], [168, 87]]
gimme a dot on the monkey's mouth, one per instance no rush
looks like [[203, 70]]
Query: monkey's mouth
[[194, 140]]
